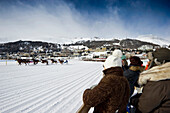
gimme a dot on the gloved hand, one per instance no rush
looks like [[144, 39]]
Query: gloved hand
[[135, 99]]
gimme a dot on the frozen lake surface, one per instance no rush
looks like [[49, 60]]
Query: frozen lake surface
[[42, 88]]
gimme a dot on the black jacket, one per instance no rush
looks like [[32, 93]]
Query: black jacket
[[132, 75]]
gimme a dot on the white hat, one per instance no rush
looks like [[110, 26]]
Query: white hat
[[114, 60]]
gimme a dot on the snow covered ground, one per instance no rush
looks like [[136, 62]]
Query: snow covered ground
[[42, 88]]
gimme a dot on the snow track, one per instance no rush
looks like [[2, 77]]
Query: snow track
[[46, 88]]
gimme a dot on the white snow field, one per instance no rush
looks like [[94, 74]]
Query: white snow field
[[41, 88]]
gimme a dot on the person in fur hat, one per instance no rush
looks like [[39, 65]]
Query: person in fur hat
[[158, 57], [112, 92], [155, 97], [132, 74]]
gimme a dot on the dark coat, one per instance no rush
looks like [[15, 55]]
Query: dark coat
[[132, 75], [155, 97], [111, 94]]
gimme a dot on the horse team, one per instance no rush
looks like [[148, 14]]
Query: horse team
[[36, 61]]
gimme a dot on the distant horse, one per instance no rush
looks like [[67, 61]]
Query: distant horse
[[61, 61], [53, 61], [44, 61], [25, 61], [35, 61]]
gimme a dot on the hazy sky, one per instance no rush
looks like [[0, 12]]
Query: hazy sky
[[61, 20]]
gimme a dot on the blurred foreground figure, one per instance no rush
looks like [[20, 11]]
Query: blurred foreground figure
[[155, 97], [158, 57], [112, 92]]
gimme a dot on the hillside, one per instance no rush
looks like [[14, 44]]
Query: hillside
[[125, 43], [34, 46], [29, 46]]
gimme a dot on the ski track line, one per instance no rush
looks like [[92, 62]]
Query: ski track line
[[29, 98], [41, 82], [21, 84], [60, 99], [31, 81], [21, 72], [30, 89], [31, 73], [66, 101], [28, 75], [43, 74], [74, 107], [54, 97], [30, 95]]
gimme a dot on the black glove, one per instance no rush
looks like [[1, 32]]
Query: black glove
[[135, 99]]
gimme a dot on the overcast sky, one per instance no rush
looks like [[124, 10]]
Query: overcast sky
[[61, 20]]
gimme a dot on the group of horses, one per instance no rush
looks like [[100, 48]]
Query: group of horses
[[36, 61]]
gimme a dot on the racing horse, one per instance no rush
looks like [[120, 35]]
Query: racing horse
[[25, 61], [35, 61], [44, 61], [61, 61], [53, 61]]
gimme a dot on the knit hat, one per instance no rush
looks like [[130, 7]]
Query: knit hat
[[114, 60], [123, 57], [134, 60]]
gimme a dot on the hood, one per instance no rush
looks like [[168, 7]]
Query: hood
[[156, 73]]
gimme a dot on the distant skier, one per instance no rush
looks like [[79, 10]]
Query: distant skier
[[112, 92]]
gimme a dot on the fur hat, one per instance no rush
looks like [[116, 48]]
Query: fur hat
[[134, 60], [114, 60], [162, 55]]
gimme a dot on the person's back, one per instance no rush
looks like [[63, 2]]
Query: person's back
[[132, 77], [112, 92], [155, 97], [132, 74]]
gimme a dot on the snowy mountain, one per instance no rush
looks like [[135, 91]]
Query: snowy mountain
[[144, 38], [153, 39], [74, 40]]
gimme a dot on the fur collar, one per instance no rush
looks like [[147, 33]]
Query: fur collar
[[114, 71], [156, 73], [137, 68]]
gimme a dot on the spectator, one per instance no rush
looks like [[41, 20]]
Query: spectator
[[155, 97], [112, 92], [132, 74], [124, 63]]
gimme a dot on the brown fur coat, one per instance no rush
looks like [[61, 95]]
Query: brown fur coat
[[111, 94], [156, 92]]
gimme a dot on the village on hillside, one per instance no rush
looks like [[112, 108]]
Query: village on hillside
[[43, 51]]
